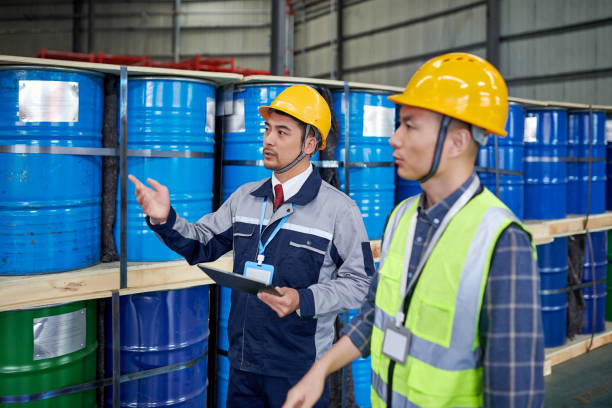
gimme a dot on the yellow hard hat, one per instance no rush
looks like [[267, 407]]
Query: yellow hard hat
[[462, 86], [305, 104]]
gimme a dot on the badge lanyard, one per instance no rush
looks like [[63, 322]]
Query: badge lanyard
[[262, 247]]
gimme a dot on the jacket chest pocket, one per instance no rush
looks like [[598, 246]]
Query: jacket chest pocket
[[302, 261], [245, 241]]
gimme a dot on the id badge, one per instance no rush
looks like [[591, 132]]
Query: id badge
[[261, 273], [396, 343]]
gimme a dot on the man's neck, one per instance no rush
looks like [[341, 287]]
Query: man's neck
[[444, 184], [294, 171]]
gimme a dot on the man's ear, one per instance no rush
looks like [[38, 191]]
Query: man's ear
[[311, 145], [459, 141]]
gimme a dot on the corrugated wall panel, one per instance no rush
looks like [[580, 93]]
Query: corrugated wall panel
[[518, 16], [439, 34], [559, 53], [557, 49], [375, 14]]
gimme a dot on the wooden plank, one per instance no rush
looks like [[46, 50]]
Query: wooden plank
[[266, 79], [375, 246], [606, 108], [98, 281], [577, 347], [166, 275], [220, 78], [90, 66], [35, 290], [527, 102], [366, 86], [567, 105], [574, 224], [547, 368], [539, 231]]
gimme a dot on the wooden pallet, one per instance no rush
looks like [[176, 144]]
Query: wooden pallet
[[99, 281], [576, 347], [544, 232]]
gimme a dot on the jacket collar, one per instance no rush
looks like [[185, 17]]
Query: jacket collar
[[307, 193]]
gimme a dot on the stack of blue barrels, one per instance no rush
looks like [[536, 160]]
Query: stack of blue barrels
[[545, 169], [50, 214], [371, 121], [553, 264], [509, 157], [594, 273], [174, 115], [159, 329], [586, 140]]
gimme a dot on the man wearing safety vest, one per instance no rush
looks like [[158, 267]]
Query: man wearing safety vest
[[452, 318], [292, 230]]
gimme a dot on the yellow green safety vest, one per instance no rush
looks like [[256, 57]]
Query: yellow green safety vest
[[444, 363]]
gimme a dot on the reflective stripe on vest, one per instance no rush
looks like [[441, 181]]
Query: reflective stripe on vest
[[462, 355], [380, 388]]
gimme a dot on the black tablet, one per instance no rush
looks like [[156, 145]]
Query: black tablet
[[238, 282]]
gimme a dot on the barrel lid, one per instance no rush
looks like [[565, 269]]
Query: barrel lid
[[170, 78], [49, 68]]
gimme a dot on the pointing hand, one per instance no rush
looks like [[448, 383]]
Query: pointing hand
[[155, 202]]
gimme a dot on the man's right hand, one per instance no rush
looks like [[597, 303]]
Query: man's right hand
[[154, 202], [307, 392]]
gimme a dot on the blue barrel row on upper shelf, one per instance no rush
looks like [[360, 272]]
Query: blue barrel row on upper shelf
[[560, 160], [50, 203]]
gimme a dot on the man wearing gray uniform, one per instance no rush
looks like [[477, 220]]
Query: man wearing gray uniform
[[296, 231]]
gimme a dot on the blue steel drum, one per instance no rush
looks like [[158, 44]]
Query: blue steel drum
[[223, 365], [361, 371], [243, 136], [170, 114], [362, 375], [223, 368], [49, 203], [509, 157], [545, 171], [160, 329], [583, 126], [371, 123], [609, 176], [405, 188], [552, 264], [594, 269]]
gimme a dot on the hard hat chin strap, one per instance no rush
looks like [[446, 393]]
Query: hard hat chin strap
[[438, 152], [299, 157]]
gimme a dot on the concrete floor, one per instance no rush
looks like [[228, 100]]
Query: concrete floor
[[584, 381]]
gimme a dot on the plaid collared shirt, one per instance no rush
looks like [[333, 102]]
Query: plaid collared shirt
[[510, 325]]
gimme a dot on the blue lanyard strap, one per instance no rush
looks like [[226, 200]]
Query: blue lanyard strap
[[262, 247]]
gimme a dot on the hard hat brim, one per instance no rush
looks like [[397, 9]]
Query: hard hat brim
[[401, 99]]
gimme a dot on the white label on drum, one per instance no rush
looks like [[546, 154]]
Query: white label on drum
[[378, 121], [210, 115], [235, 121], [58, 335], [48, 101], [531, 129], [609, 130]]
